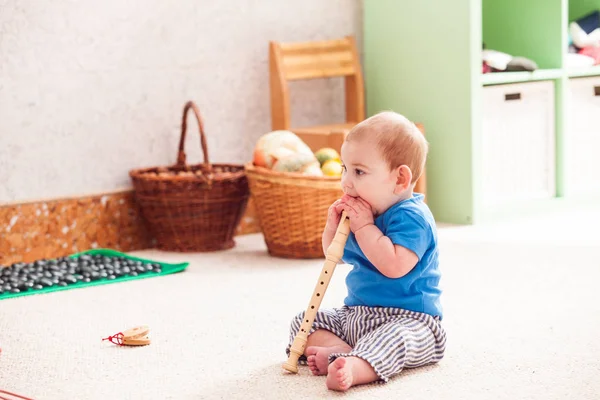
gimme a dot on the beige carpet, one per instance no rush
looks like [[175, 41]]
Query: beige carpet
[[522, 308]]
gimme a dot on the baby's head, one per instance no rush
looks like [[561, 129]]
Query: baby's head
[[384, 156]]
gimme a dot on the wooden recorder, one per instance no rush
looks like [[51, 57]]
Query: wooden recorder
[[335, 251]]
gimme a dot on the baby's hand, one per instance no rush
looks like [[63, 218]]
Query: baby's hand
[[333, 216], [359, 212]]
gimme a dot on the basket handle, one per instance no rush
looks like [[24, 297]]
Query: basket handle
[[181, 154]]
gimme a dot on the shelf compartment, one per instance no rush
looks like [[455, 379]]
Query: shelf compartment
[[530, 29]]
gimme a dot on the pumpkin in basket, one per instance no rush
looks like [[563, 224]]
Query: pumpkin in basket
[[283, 151]]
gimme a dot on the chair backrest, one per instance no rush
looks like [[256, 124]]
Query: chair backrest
[[313, 60]]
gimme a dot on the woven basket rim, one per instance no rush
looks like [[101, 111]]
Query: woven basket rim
[[138, 173], [250, 167]]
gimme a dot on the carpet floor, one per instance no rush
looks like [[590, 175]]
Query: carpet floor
[[522, 313]]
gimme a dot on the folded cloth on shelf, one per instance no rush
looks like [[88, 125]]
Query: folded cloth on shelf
[[496, 59], [575, 60], [589, 22], [521, 64], [485, 68], [585, 31], [593, 52], [500, 61]]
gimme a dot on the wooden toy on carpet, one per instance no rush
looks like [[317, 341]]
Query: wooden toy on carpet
[[335, 251], [137, 336]]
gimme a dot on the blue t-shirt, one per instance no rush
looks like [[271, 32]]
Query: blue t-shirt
[[410, 224]]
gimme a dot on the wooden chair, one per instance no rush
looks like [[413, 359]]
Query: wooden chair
[[315, 60]]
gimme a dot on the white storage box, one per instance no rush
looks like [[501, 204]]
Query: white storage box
[[582, 141], [518, 142]]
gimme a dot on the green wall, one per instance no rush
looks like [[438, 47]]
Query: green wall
[[431, 80]]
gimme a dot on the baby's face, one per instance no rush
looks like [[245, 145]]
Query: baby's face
[[367, 175]]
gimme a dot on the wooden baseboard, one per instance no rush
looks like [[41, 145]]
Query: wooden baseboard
[[56, 228]]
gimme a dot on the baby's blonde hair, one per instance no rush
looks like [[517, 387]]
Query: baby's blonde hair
[[399, 140]]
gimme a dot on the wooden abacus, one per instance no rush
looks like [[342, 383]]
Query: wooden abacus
[[335, 251]]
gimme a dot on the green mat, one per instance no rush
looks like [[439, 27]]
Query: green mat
[[166, 269]]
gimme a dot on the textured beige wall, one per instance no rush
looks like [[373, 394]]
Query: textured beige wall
[[90, 89]]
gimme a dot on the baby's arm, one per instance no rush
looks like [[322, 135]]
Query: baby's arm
[[390, 259]]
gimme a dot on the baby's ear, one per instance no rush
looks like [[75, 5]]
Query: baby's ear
[[403, 178]]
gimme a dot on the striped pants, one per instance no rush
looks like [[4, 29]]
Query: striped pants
[[389, 339]]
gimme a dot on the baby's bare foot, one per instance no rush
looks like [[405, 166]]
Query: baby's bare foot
[[339, 375], [318, 357], [312, 364]]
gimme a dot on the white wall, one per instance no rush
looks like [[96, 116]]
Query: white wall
[[90, 89]]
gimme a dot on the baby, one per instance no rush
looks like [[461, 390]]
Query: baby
[[391, 318]]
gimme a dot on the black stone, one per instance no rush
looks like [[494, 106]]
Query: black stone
[[46, 282]]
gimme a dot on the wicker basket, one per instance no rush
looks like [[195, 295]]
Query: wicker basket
[[292, 209], [192, 207]]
